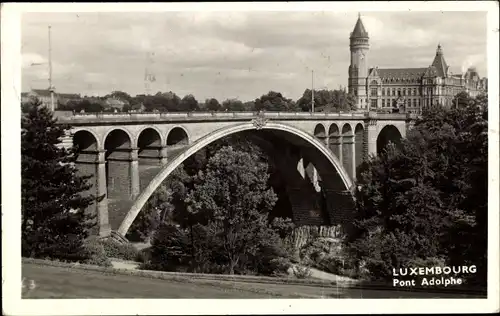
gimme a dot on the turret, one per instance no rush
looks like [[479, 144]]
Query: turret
[[358, 68]]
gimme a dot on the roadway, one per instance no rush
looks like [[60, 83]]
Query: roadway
[[57, 282]]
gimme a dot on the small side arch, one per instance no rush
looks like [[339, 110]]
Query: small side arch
[[150, 130], [177, 135], [81, 136]]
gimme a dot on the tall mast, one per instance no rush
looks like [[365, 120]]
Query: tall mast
[[312, 90], [51, 88]]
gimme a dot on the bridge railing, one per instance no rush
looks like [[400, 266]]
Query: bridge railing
[[200, 115]]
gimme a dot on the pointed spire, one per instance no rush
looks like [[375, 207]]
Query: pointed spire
[[359, 29], [439, 63], [439, 50]]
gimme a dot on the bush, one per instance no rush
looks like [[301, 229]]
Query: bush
[[117, 250], [170, 249], [280, 266], [301, 272], [95, 253]]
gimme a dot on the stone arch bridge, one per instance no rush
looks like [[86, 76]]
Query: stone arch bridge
[[129, 155]]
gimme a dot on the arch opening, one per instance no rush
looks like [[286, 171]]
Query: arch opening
[[335, 178], [85, 141], [118, 145], [177, 137], [358, 139], [388, 134], [348, 148]]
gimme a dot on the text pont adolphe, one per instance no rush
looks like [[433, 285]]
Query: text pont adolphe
[[431, 276]]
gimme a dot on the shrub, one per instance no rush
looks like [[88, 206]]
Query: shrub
[[117, 250], [301, 272], [170, 249], [280, 266], [95, 253]]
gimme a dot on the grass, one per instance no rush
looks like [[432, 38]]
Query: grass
[[70, 282]]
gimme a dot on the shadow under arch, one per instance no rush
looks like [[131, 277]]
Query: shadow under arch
[[141, 200], [388, 134]]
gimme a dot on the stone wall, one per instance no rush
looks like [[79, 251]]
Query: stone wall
[[303, 234]]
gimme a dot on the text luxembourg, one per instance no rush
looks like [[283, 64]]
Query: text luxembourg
[[426, 272]]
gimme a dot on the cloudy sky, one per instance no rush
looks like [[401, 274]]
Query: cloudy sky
[[235, 54]]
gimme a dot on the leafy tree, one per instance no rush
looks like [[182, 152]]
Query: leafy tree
[[233, 198], [54, 218], [274, 101], [461, 100], [233, 105], [427, 199], [189, 103], [327, 100], [212, 105], [120, 95]]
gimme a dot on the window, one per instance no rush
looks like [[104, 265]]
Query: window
[[404, 91], [394, 91], [399, 92], [373, 92], [383, 91], [373, 103], [383, 103]]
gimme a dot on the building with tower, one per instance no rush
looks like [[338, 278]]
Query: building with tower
[[405, 89]]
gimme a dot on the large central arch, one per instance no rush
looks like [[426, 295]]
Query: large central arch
[[141, 200]]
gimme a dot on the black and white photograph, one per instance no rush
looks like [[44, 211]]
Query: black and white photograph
[[308, 154]]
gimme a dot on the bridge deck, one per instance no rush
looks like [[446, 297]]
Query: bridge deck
[[103, 118]]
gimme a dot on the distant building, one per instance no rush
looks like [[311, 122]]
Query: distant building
[[45, 98], [407, 89], [114, 103]]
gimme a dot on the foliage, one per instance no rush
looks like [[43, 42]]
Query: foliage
[[301, 272], [429, 198], [212, 104], [327, 100], [274, 101], [189, 103], [170, 248], [233, 105], [116, 250], [95, 253], [53, 203], [232, 200]]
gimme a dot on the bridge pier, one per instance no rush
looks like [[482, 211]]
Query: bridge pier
[[335, 145], [339, 205], [123, 173], [370, 138], [94, 163], [348, 155]]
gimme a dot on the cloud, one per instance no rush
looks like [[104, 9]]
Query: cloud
[[236, 54]]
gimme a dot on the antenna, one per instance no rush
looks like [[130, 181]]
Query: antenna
[[148, 75], [312, 91], [51, 88]]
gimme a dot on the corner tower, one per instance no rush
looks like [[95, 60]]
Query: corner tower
[[358, 68]]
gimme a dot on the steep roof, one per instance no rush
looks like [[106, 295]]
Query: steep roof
[[401, 73], [69, 95], [41, 92], [359, 29], [439, 63]]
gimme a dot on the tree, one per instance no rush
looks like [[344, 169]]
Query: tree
[[234, 198], [427, 199], [327, 100], [54, 218], [189, 103], [274, 101], [233, 105], [120, 95], [212, 104], [461, 99]]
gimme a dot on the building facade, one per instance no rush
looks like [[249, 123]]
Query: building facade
[[46, 99], [405, 89]]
